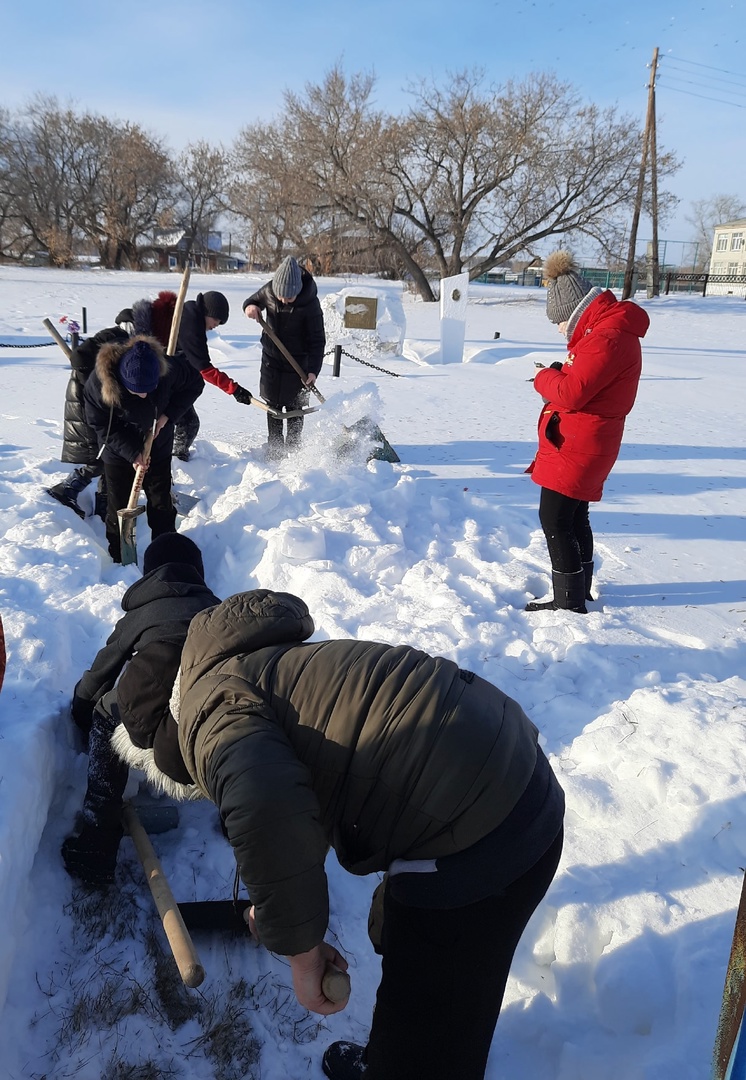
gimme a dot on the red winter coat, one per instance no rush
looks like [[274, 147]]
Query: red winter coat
[[581, 426]]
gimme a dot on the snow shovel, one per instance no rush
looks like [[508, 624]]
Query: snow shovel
[[177, 919], [293, 363], [128, 516], [182, 947], [281, 414], [232, 915]]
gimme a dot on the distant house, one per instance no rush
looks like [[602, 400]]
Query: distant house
[[172, 249]]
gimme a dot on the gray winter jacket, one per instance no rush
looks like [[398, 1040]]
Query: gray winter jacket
[[381, 751]]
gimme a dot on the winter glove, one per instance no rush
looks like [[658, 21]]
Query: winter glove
[[242, 396], [556, 365], [82, 715]]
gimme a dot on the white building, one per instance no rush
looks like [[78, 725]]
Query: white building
[[728, 258]]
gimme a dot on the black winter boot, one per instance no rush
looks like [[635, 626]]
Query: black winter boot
[[67, 493], [569, 594], [344, 1061], [91, 855], [588, 571]]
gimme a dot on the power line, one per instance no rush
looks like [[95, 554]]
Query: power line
[[709, 80], [695, 63], [722, 101]]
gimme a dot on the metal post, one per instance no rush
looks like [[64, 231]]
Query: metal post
[[704, 286], [337, 360], [84, 320]]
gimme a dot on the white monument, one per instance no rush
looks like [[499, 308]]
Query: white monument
[[454, 292]]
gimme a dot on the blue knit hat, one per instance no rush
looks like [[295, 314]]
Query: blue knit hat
[[140, 368], [287, 280]]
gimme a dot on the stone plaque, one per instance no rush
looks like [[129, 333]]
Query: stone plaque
[[361, 312]]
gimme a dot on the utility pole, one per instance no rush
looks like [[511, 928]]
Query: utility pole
[[654, 284], [649, 121]]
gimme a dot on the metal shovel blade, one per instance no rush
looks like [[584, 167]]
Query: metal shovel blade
[[128, 534], [215, 915]]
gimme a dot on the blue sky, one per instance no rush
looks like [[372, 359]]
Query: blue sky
[[193, 70]]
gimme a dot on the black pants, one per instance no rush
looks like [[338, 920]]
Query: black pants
[[567, 529], [107, 774], [185, 432], [86, 473], [275, 434], [161, 512], [443, 979]]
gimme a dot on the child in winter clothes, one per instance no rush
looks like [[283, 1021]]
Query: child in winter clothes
[[129, 684], [403, 763], [79, 443], [135, 390], [294, 313], [586, 400], [207, 312]]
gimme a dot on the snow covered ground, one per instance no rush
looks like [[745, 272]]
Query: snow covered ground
[[641, 703]]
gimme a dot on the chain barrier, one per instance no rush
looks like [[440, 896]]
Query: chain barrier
[[39, 345], [366, 363]]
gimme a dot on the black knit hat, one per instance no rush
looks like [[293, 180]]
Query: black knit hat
[[287, 280], [215, 306], [172, 548]]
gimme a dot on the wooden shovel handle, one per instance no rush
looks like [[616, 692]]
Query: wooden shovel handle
[[173, 337], [335, 984], [182, 946], [303, 375], [58, 338], [140, 470]]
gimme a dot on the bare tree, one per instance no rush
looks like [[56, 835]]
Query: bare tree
[[706, 214], [133, 189], [469, 177], [269, 194], [200, 185], [43, 150]]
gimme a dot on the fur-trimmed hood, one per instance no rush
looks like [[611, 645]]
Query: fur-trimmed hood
[[107, 366]]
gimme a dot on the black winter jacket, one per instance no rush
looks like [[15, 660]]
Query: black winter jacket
[[79, 443], [300, 327], [158, 609], [193, 345], [383, 752], [122, 420]]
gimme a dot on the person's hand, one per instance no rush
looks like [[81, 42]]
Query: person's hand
[[310, 379], [161, 423], [252, 312], [250, 921], [308, 971], [242, 396], [141, 463]]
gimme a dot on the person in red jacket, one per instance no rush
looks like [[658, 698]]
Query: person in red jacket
[[586, 400]]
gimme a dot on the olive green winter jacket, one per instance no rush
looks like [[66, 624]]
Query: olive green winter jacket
[[381, 751]]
